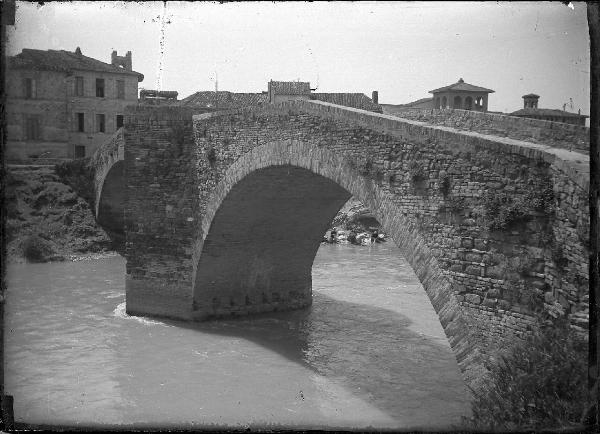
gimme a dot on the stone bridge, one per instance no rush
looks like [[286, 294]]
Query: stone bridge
[[224, 212]]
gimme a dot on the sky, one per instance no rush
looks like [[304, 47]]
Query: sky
[[401, 49]]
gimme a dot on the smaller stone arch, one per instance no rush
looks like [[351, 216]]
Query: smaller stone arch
[[437, 103], [444, 102]]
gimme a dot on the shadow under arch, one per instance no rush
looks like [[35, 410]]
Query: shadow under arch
[[269, 184], [110, 204]]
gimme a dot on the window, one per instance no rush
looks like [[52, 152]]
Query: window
[[120, 89], [29, 88], [79, 151], [119, 121], [32, 127], [100, 123], [78, 86], [100, 87], [80, 122]]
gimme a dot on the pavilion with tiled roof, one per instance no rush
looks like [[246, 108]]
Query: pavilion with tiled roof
[[461, 95]]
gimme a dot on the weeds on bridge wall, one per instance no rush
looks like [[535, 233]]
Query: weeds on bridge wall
[[499, 210], [537, 384], [211, 156], [444, 184]]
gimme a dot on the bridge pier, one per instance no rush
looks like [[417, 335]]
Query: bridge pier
[[161, 211]]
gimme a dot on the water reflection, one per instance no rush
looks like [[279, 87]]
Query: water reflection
[[370, 351]]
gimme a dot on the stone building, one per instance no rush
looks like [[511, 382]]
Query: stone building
[[530, 110], [62, 104], [461, 95]]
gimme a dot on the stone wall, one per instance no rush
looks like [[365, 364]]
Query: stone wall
[[57, 108], [554, 134], [91, 105], [49, 105]]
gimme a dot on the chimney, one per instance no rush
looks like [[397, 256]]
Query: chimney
[[375, 97], [122, 61], [128, 64]]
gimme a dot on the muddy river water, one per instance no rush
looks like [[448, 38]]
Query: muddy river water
[[370, 352]]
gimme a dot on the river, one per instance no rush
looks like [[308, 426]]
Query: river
[[370, 352]]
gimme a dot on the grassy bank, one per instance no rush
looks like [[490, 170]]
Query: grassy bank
[[46, 220]]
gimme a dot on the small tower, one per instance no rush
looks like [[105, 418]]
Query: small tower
[[530, 101]]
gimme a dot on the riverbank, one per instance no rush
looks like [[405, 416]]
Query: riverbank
[[46, 220]]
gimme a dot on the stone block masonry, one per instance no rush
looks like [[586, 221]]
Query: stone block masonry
[[160, 211], [224, 217]]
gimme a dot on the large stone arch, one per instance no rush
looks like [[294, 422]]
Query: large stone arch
[[335, 180]]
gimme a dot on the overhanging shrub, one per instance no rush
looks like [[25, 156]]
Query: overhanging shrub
[[540, 384]]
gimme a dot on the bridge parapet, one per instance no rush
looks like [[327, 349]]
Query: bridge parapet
[[554, 134], [575, 165]]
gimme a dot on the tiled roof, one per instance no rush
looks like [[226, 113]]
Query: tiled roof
[[230, 100], [545, 112], [460, 85], [531, 95], [289, 87], [356, 100], [61, 60], [411, 104], [223, 99]]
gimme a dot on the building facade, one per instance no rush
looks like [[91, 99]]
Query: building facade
[[62, 104]]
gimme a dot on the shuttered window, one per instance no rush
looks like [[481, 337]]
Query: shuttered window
[[120, 89], [32, 127], [78, 86], [100, 123], [29, 88], [100, 87]]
